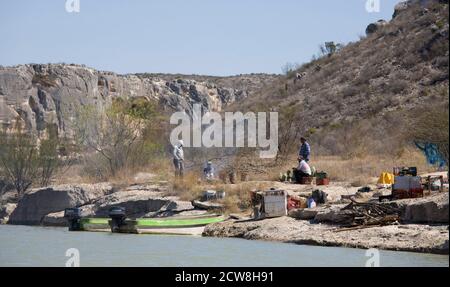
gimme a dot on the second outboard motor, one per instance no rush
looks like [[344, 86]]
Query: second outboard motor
[[73, 216], [118, 216]]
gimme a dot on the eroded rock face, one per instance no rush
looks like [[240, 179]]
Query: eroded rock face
[[36, 204], [41, 95], [432, 209], [138, 204], [140, 201]]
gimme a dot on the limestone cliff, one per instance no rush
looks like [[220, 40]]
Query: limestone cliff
[[50, 94]]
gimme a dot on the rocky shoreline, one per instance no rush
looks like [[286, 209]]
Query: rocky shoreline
[[45, 206], [410, 237], [423, 226]]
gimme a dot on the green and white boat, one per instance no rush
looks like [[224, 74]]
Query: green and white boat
[[193, 225]]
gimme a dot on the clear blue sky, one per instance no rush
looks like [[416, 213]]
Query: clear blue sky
[[214, 37]]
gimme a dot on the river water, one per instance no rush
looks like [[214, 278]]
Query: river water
[[38, 246]]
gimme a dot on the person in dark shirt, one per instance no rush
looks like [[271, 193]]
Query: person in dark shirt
[[305, 150]]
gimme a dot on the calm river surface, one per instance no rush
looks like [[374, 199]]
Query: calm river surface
[[38, 246]]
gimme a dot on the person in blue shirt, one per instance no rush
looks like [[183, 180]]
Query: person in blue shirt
[[305, 150]]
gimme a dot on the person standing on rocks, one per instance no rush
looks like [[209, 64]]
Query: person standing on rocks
[[178, 159], [305, 150]]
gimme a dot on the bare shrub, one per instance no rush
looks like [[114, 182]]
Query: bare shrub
[[121, 137], [290, 130], [24, 163]]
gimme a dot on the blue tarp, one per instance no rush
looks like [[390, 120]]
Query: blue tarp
[[432, 154]]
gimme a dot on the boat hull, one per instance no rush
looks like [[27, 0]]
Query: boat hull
[[168, 226]]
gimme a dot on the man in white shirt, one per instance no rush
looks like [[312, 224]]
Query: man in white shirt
[[303, 170], [178, 158], [304, 167]]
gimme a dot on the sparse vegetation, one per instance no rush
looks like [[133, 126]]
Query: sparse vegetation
[[362, 99], [432, 126], [24, 163], [329, 48], [124, 136]]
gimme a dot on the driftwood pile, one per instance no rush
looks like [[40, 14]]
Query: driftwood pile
[[364, 215]]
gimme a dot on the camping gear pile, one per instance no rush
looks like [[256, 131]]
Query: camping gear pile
[[406, 183], [277, 203]]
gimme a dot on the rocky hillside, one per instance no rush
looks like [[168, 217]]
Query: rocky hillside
[[50, 94], [399, 66]]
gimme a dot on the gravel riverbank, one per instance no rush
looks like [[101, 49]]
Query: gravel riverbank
[[409, 237]]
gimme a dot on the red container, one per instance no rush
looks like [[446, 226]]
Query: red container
[[294, 203], [322, 181]]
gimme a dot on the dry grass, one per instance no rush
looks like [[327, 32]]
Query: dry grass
[[159, 167], [357, 171], [188, 188], [237, 197]]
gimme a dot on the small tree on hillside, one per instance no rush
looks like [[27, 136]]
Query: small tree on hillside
[[290, 131], [330, 48]]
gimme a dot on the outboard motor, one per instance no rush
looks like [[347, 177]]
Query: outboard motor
[[73, 216], [118, 216]]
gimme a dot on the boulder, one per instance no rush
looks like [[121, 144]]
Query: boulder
[[5, 212], [36, 204], [431, 209], [373, 27], [54, 219], [140, 203]]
